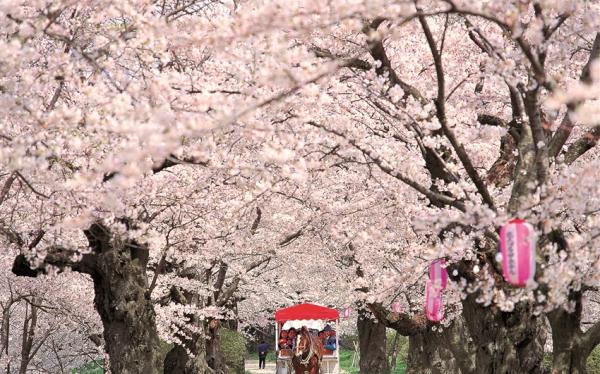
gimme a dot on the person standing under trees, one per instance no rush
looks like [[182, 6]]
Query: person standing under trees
[[263, 348]]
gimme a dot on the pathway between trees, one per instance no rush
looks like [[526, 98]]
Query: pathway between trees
[[252, 367]]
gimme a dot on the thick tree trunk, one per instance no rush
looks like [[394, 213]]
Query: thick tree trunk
[[427, 355], [445, 350], [201, 340], [178, 361], [570, 349], [506, 343], [214, 354], [373, 343], [432, 348], [572, 362], [118, 269], [127, 314]]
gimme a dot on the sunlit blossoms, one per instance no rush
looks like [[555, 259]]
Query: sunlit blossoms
[[195, 164]]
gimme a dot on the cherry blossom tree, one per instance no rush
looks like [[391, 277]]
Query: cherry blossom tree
[[529, 176], [179, 153], [43, 326]]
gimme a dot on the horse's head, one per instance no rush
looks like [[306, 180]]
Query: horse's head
[[302, 342]]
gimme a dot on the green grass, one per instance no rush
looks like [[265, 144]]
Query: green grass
[[400, 368], [593, 362], [346, 362], [89, 368]]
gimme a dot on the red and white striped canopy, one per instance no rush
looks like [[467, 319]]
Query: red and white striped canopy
[[306, 311]]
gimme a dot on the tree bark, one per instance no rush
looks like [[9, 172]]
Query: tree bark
[[118, 270], [188, 356], [427, 355], [570, 346], [120, 284], [178, 361], [506, 343], [373, 344], [214, 354], [432, 348], [569, 355], [445, 350]]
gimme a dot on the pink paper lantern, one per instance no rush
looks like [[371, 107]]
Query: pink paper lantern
[[517, 245], [434, 307], [347, 313], [438, 273], [396, 307]]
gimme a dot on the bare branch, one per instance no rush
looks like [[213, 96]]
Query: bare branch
[[290, 238], [353, 62], [56, 95], [401, 322], [256, 221], [6, 188], [21, 177], [167, 163], [38, 238], [558, 21], [233, 286], [491, 120], [582, 145]]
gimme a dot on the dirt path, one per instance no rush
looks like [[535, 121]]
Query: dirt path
[[252, 367]]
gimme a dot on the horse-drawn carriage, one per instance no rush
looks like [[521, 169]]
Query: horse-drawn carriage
[[307, 349]]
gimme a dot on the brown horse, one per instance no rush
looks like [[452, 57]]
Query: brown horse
[[307, 354]]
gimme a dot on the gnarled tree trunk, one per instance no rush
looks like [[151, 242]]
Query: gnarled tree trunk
[[445, 350], [569, 354], [178, 361], [506, 343], [570, 345], [214, 354], [432, 348], [373, 344], [427, 354], [118, 269], [120, 284]]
